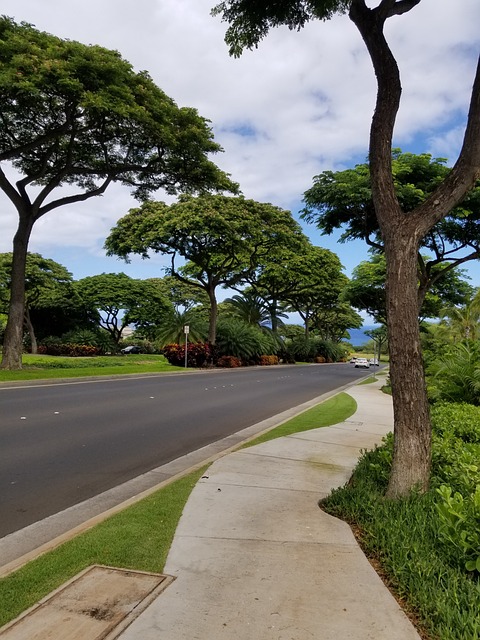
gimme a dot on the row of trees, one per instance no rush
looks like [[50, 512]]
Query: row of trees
[[232, 242], [158, 308]]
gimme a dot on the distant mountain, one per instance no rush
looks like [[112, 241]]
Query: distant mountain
[[358, 336]]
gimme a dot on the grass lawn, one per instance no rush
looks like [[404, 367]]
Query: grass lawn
[[140, 536], [40, 367], [332, 411]]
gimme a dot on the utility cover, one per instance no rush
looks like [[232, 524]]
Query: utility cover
[[98, 604]]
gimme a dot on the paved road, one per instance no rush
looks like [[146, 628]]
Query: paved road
[[63, 443]]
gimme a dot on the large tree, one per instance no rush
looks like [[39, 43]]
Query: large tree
[[121, 300], [222, 238], [332, 323], [343, 200], [303, 278], [402, 231], [80, 117], [273, 280], [312, 283]]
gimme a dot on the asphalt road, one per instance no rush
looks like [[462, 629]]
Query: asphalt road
[[62, 443]]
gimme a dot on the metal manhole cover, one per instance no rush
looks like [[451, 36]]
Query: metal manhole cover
[[97, 604]]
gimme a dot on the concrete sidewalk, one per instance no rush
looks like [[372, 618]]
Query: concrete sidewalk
[[255, 558]]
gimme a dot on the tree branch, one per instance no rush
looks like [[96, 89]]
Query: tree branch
[[7, 187], [402, 6], [80, 197], [465, 172]]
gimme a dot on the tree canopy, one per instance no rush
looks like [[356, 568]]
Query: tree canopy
[[309, 282], [222, 238], [366, 290], [121, 300], [343, 200], [80, 116]]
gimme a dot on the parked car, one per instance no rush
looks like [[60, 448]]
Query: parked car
[[362, 363], [131, 349], [353, 360], [373, 362]]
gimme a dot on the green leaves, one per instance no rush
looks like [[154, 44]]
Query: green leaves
[[80, 114], [459, 527], [223, 239], [250, 20], [120, 300]]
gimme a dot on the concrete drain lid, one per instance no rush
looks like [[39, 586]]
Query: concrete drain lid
[[97, 604]]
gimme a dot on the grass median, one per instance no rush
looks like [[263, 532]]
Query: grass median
[[140, 536], [40, 367]]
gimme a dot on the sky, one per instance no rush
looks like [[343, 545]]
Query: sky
[[298, 105]]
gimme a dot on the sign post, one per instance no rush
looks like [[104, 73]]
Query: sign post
[[186, 329]]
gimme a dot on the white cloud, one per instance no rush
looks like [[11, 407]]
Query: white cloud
[[298, 105]]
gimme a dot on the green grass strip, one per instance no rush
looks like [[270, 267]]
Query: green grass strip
[[137, 538], [332, 411], [51, 367]]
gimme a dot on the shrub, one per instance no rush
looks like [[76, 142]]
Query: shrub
[[456, 476], [459, 530], [247, 342], [71, 350], [302, 349], [410, 536], [198, 354], [266, 361], [455, 376], [309, 349], [331, 351], [229, 362]]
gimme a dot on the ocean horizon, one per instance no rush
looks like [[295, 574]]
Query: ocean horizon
[[358, 337]]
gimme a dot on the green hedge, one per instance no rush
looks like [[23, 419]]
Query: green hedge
[[428, 545]]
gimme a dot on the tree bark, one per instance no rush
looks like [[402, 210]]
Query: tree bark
[[273, 309], [31, 331], [13, 338], [212, 323], [412, 431]]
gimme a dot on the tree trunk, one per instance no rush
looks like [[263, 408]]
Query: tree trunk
[[273, 315], [13, 338], [212, 324], [31, 331], [412, 441]]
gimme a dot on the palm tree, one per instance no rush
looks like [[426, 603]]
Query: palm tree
[[172, 328], [252, 309], [464, 322]]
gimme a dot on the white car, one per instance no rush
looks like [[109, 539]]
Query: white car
[[362, 363], [373, 362]]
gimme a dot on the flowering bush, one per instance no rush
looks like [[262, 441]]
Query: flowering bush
[[198, 354], [266, 361], [69, 349], [229, 362]]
